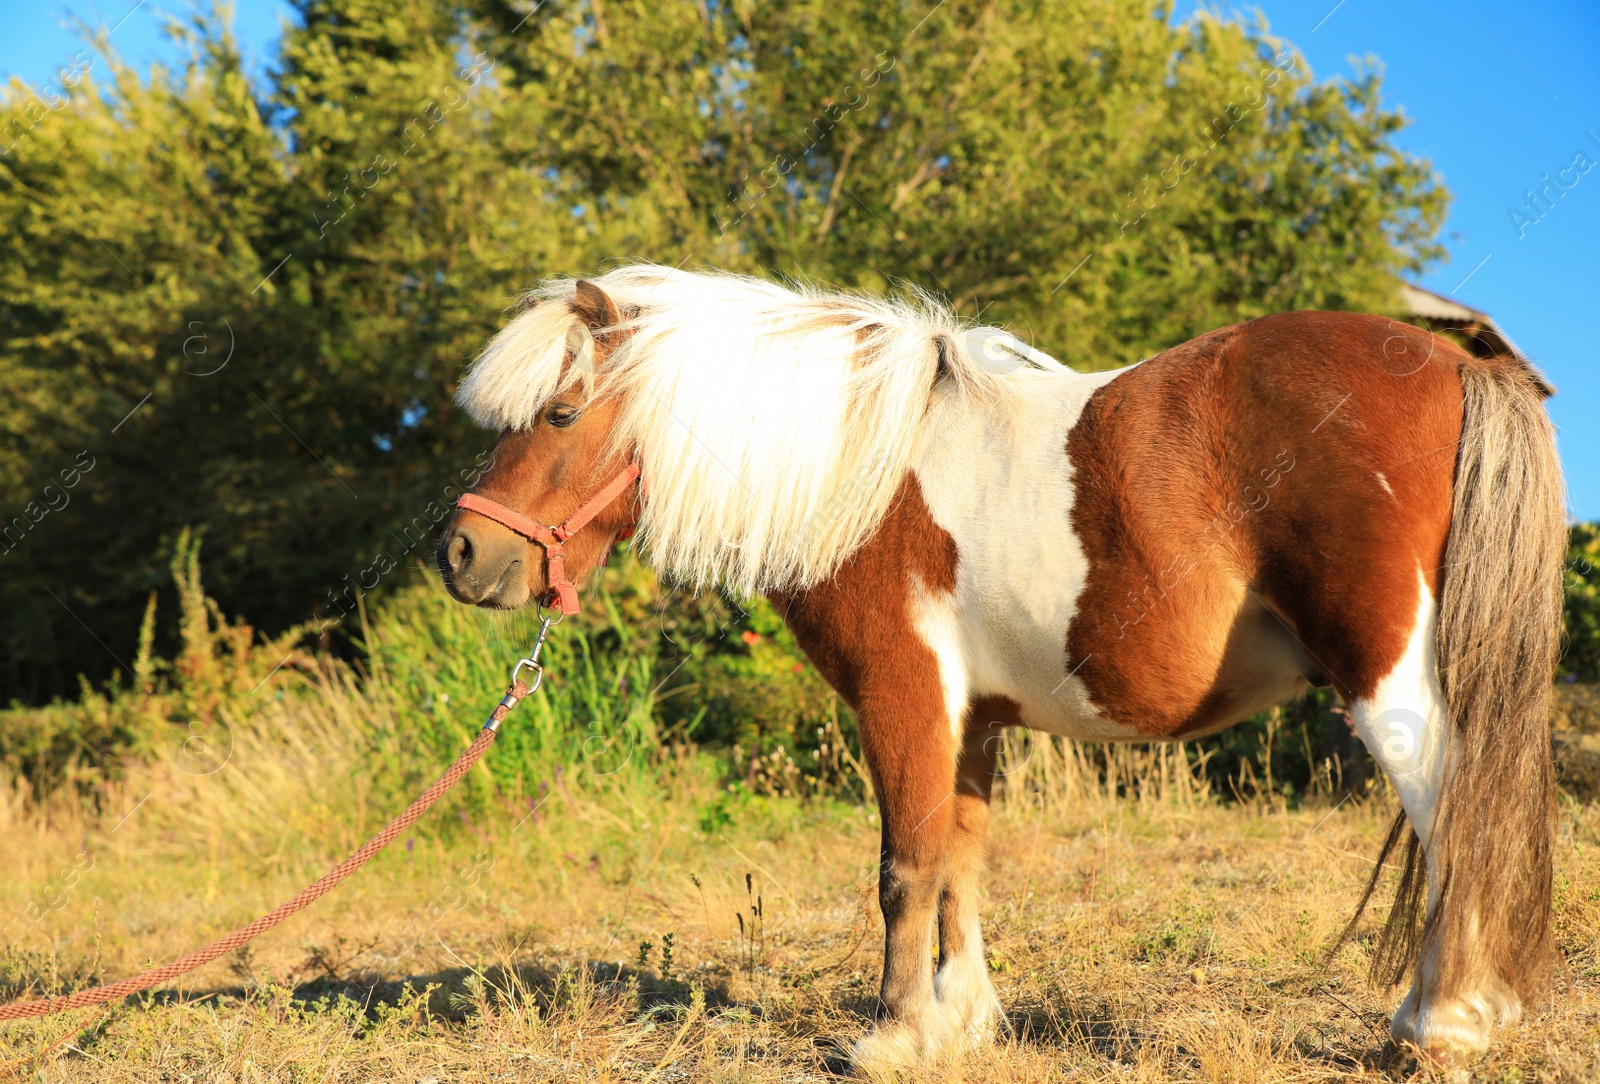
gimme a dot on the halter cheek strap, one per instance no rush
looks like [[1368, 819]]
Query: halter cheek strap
[[554, 539]]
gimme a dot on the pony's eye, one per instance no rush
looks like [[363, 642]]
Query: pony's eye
[[561, 416]]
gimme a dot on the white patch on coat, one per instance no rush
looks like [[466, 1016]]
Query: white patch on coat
[[999, 481], [1384, 482], [1406, 725], [937, 623], [1405, 722]]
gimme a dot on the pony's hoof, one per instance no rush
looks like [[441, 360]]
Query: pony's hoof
[[896, 1049], [1448, 1030], [972, 1012]]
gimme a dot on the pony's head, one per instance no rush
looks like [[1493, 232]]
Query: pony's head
[[554, 452]]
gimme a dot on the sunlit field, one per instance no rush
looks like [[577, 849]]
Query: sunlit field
[[619, 910]]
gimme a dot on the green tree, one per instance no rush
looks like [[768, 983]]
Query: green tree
[[1088, 173], [347, 232]]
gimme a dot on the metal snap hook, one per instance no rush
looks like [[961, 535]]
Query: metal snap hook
[[531, 660], [535, 668]]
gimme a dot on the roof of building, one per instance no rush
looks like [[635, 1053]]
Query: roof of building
[[1476, 329], [1428, 305]]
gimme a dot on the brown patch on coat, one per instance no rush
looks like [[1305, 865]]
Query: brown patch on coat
[[857, 628], [1240, 541]]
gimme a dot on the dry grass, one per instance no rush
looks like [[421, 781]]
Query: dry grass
[[1151, 936]]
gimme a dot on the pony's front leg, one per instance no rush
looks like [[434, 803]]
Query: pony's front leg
[[912, 755], [962, 984]]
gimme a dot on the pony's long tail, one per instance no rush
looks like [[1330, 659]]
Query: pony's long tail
[[1499, 631]]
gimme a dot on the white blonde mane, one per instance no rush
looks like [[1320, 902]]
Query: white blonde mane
[[774, 425]]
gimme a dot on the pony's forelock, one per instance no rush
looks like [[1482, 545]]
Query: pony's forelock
[[544, 351]]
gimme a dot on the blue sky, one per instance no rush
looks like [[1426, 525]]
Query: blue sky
[[1501, 93], [40, 36]]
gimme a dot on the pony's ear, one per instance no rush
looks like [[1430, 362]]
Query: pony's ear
[[594, 306]]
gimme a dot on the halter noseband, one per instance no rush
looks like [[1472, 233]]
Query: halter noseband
[[553, 539]]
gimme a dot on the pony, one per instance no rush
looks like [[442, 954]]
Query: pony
[[966, 535]]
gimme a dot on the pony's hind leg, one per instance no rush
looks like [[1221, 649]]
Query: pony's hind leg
[[962, 985], [1405, 725]]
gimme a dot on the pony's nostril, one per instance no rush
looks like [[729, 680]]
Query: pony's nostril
[[459, 552]]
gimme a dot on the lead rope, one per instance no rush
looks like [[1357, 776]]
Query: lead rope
[[114, 991]]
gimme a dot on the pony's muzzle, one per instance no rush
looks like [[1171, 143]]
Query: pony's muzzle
[[484, 564]]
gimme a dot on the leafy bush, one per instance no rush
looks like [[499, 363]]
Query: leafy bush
[[641, 670], [646, 669], [174, 707], [1581, 611]]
